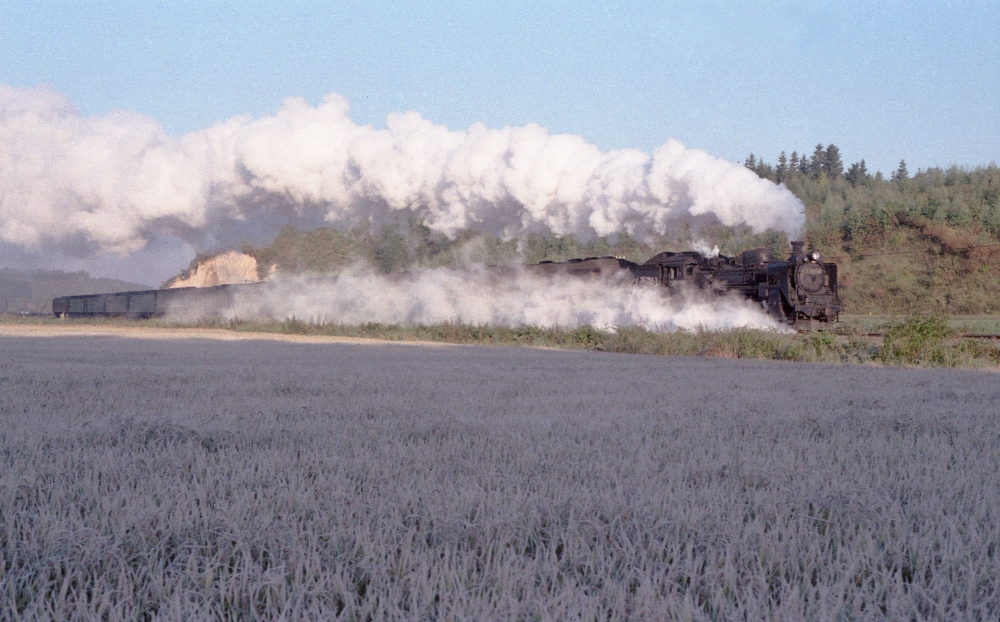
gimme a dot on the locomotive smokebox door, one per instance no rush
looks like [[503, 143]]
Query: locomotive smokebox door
[[810, 277]]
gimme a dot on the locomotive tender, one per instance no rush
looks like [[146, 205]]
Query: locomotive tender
[[800, 291]]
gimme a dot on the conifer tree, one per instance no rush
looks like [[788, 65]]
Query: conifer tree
[[751, 163], [834, 165], [857, 174], [901, 173], [793, 163], [782, 168], [817, 164]]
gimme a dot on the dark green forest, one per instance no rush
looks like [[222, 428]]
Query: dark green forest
[[926, 242]]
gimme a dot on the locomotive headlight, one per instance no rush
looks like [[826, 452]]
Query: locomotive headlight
[[815, 256]]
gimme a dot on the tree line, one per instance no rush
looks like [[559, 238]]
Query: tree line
[[837, 199], [825, 162]]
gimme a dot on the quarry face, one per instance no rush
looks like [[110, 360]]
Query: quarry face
[[224, 269]]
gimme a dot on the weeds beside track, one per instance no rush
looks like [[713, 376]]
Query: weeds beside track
[[918, 340]]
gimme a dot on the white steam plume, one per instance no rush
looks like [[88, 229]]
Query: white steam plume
[[98, 184], [479, 297]]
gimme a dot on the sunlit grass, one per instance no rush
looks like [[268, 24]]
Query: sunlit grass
[[966, 324]]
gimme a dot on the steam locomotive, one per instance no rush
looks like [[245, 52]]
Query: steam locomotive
[[800, 291]]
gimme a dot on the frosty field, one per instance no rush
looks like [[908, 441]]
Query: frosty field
[[163, 479]]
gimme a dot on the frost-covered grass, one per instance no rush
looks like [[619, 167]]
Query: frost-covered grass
[[260, 480]]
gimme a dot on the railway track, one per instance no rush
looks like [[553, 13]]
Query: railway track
[[955, 336]]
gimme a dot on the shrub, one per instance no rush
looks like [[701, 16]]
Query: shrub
[[917, 339]]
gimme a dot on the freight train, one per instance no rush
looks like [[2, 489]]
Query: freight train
[[183, 301], [800, 291]]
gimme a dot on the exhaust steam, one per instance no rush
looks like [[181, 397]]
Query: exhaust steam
[[91, 185], [482, 297]]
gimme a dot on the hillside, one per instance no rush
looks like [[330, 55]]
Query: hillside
[[928, 243], [392, 250], [32, 291]]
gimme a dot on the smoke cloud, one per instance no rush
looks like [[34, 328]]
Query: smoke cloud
[[90, 185], [480, 297]]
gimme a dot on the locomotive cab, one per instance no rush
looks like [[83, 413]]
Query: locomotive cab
[[678, 272], [677, 268]]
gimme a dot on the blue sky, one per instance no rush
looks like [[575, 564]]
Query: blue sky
[[884, 81]]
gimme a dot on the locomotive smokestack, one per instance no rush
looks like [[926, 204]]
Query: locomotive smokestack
[[798, 252]]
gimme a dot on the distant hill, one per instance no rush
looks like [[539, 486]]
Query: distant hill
[[32, 291]]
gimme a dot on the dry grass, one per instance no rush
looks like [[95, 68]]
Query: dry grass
[[153, 479], [848, 345]]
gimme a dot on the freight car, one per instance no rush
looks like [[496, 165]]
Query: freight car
[[800, 291], [183, 301]]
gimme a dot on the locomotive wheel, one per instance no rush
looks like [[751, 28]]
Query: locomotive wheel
[[810, 277]]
